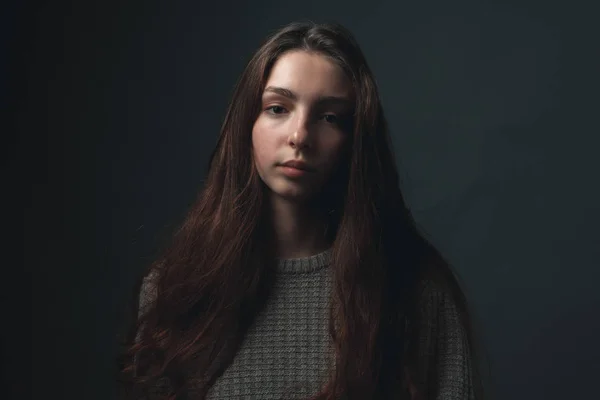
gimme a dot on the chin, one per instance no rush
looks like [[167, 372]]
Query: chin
[[293, 196], [290, 192]]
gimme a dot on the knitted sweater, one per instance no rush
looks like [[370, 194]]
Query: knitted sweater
[[287, 352]]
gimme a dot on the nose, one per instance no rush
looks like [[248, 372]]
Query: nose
[[300, 136]]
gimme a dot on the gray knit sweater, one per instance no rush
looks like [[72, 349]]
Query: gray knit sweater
[[287, 353]]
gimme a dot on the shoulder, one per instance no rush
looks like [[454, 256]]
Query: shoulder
[[438, 284], [438, 306]]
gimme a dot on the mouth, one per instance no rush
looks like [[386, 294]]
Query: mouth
[[294, 169], [297, 165]]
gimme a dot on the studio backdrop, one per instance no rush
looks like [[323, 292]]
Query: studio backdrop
[[122, 104]]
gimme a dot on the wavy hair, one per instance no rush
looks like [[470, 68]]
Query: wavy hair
[[215, 274]]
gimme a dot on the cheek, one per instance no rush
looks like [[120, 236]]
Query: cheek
[[262, 147], [334, 149]]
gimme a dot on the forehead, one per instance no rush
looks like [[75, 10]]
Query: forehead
[[309, 75]]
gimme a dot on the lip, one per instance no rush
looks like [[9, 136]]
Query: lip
[[296, 164]]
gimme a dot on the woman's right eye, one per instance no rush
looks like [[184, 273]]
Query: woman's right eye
[[276, 110]]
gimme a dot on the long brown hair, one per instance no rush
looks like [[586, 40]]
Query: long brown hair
[[215, 274]]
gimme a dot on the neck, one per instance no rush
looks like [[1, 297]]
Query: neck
[[299, 229]]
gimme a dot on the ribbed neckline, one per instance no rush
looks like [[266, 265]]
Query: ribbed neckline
[[304, 265]]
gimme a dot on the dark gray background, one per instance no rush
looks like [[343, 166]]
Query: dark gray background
[[491, 105]]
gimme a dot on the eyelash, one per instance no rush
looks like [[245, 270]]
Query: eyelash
[[270, 111]]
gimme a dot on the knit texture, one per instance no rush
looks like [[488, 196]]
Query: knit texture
[[287, 353]]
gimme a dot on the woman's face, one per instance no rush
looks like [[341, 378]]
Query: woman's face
[[306, 106]]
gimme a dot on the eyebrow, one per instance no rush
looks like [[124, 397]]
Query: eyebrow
[[321, 100]]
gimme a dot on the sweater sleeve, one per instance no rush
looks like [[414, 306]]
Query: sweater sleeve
[[147, 293], [443, 360], [146, 297]]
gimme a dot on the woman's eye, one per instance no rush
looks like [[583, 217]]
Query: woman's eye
[[332, 119], [276, 110]]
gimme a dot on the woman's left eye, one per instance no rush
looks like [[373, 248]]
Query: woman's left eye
[[332, 119]]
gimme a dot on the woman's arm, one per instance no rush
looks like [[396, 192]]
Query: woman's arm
[[443, 360]]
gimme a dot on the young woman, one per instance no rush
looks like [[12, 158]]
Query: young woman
[[298, 273]]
